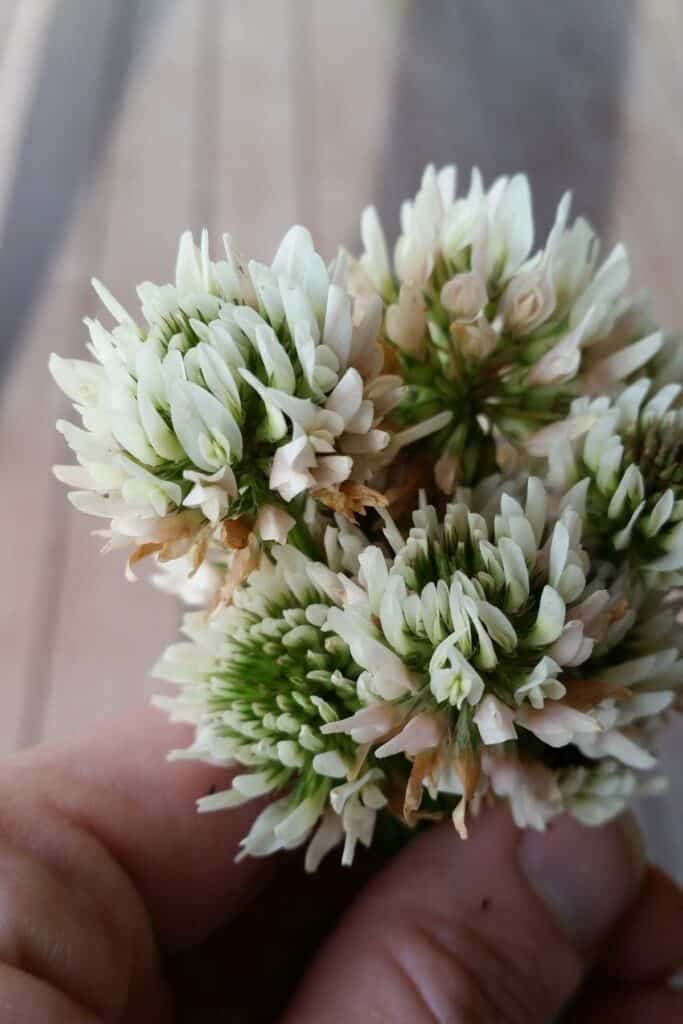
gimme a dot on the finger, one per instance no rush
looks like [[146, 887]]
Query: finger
[[28, 1000], [115, 785], [46, 925], [500, 928], [647, 945], [656, 1004]]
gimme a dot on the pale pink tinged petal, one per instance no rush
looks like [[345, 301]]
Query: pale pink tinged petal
[[159, 528], [556, 724], [273, 523], [367, 725], [543, 441], [352, 593], [562, 362], [583, 654], [330, 583], [338, 328], [614, 743], [346, 398], [288, 473], [569, 644], [529, 300], [363, 419], [622, 364], [464, 296], [367, 317], [588, 611], [360, 444], [495, 721], [406, 320], [211, 493], [531, 789], [423, 732], [332, 469]]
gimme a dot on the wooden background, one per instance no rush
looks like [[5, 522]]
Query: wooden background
[[124, 121]]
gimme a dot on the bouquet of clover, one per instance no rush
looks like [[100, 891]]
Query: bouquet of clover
[[430, 511]]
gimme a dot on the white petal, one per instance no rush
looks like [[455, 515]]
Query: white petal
[[495, 721], [423, 732], [273, 523], [549, 621]]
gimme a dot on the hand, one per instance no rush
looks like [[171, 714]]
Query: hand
[[120, 903]]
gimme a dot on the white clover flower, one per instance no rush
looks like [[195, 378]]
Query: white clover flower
[[522, 642], [594, 794], [247, 388], [531, 789], [487, 328], [480, 654], [259, 679], [485, 631], [623, 471]]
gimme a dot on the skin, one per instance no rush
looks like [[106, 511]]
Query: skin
[[119, 903]]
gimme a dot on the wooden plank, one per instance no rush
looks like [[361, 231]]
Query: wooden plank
[[30, 534], [345, 59], [29, 539], [23, 30], [256, 192], [109, 632], [648, 194], [8, 15]]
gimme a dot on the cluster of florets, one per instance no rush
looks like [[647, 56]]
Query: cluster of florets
[[479, 323], [248, 388], [387, 629]]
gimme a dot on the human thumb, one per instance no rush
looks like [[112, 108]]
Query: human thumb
[[500, 928]]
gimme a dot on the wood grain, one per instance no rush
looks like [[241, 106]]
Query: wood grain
[[23, 28], [109, 632]]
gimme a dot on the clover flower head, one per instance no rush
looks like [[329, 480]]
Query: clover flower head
[[472, 659], [621, 458], [485, 327], [499, 638], [246, 388], [503, 622], [258, 680]]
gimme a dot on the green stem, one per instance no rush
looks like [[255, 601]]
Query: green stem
[[300, 538]]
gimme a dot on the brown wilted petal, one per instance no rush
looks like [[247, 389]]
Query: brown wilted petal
[[617, 613], [350, 499], [142, 551], [235, 533], [423, 766], [584, 694], [242, 563], [468, 766], [409, 477]]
